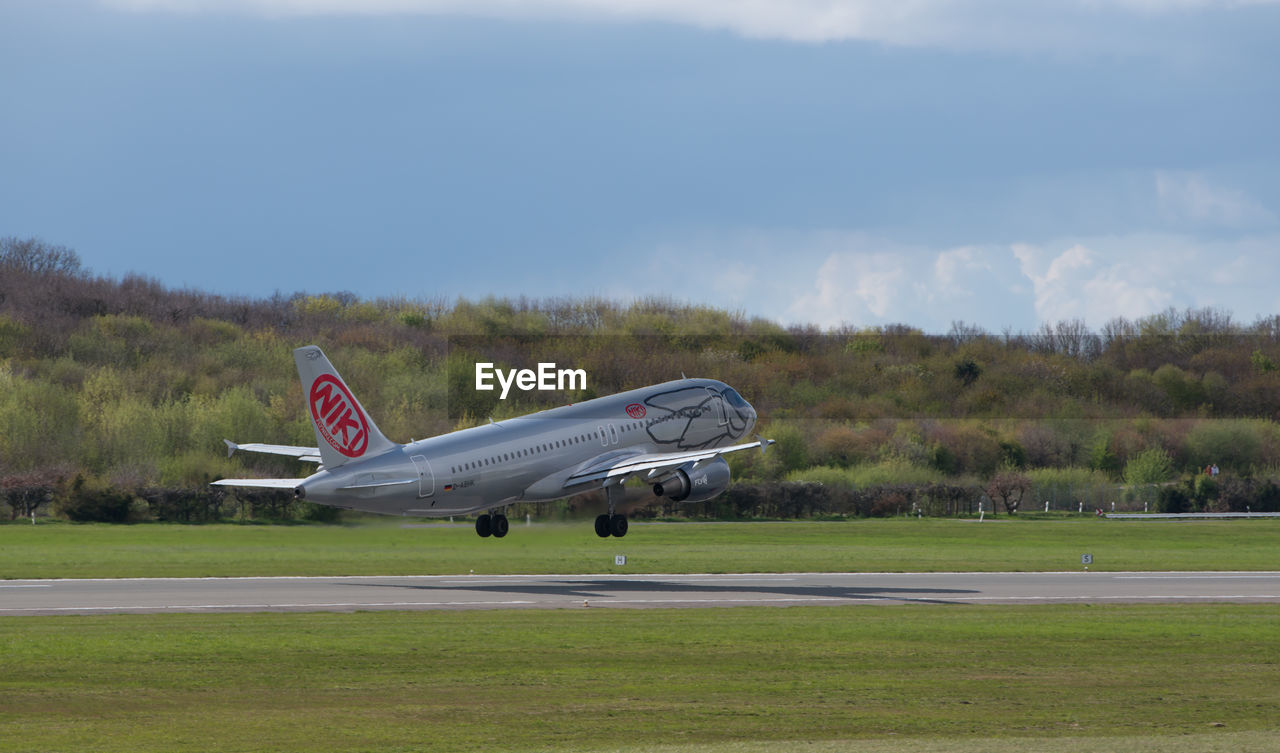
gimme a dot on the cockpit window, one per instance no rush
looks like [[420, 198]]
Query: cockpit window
[[735, 399]]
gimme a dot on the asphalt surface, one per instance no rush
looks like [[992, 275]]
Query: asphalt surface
[[343, 594]]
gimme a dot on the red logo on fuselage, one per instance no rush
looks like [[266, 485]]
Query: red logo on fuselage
[[339, 417], [635, 410]]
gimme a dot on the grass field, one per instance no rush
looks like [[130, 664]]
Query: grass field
[[394, 548], [906, 678]]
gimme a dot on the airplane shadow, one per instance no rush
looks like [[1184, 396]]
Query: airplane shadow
[[604, 589]]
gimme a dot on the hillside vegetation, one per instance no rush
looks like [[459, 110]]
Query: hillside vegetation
[[115, 395]]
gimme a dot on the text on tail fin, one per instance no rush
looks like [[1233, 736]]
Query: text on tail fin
[[338, 416]]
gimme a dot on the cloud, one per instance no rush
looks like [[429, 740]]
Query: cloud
[[1078, 283], [834, 278], [1189, 196], [951, 264], [977, 23], [882, 282], [854, 287], [1136, 275]]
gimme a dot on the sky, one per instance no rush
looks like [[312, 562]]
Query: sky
[[834, 162]]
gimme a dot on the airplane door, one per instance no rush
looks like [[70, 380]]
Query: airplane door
[[426, 479], [717, 408], [613, 434]]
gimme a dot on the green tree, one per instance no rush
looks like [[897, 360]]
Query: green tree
[[1151, 466], [967, 371]]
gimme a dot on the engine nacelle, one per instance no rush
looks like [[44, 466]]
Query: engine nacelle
[[690, 484]]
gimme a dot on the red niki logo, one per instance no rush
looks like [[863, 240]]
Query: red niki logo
[[339, 418], [635, 410]]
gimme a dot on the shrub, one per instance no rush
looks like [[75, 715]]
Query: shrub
[[791, 450], [1205, 490], [1153, 466], [1234, 444], [198, 504], [1173, 499], [885, 473], [92, 502], [844, 445], [1068, 487]]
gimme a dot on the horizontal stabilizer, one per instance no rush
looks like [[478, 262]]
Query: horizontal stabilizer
[[309, 454], [262, 483]]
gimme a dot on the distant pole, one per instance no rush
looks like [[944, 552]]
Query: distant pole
[[528, 519], [1046, 505]]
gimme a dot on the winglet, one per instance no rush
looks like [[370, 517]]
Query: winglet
[[231, 447], [764, 443]]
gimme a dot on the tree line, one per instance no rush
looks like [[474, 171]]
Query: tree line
[[125, 386]]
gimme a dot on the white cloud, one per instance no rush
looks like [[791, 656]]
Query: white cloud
[[1189, 196], [833, 278], [853, 287], [977, 23], [1078, 283], [950, 264], [1135, 275]]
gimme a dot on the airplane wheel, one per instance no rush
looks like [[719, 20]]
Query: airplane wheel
[[483, 527], [499, 526], [618, 525], [602, 526]]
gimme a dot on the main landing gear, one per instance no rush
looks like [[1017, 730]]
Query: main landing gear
[[612, 524], [495, 525]]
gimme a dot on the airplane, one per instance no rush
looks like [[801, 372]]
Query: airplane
[[672, 435]]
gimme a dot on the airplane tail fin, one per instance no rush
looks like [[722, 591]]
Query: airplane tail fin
[[344, 431]]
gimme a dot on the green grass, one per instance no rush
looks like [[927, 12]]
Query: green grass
[[914, 678], [66, 550]]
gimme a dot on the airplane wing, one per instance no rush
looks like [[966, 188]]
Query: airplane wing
[[653, 463], [308, 454]]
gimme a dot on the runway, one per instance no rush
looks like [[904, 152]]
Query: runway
[[345, 594]]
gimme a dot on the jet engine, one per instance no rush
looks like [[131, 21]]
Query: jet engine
[[695, 482]]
